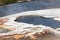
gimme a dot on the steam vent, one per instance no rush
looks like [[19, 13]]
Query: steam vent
[[30, 20]]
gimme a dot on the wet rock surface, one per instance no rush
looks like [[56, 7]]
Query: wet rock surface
[[39, 20], [29, 29], [32, 27]]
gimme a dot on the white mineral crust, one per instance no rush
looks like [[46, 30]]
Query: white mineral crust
[[22, 28]]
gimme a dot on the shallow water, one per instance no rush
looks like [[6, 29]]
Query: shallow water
[[31, 6], [27, 6], [38, 20]]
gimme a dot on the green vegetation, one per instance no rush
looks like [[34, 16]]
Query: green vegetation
[[7, 1], [11, 1]]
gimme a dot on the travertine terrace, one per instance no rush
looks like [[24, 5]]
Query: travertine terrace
[[27, 30]]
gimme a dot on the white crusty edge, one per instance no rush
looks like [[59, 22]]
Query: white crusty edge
[[48, 13]]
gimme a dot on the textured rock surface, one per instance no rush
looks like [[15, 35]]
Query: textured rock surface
[[31, 25], [27, 30]]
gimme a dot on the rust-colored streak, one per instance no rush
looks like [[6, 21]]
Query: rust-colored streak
[[7, 27], [12, 37], [2, 26], [3, 20], [18, 36]]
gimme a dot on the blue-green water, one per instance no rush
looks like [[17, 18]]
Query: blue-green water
[[27, 6], [31, 6]]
